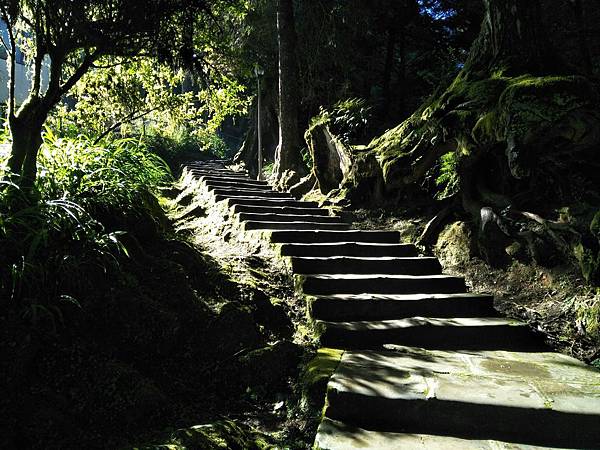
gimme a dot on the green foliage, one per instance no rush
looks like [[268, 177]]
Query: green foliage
[[347, 119], [55, 246], [448, 178], [113, 172], [50, 248], [586, 311], [182, 145], [143, 96]]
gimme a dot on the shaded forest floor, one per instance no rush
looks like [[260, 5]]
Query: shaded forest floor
[[194, 328], [555, 301]]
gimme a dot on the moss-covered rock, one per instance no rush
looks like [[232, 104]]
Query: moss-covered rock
[[317, 374], [454, 246]]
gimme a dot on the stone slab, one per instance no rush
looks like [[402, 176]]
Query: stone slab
[[379, 284], [534, 398], [237, 192], [283, 217], [456, 333], [366, 265], [348, 307], [389, 237], [294, 226], [262, 201], [251, 209], [238, 179], [358, 249]]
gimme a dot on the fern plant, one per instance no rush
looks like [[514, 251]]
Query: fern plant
[[448, 179]]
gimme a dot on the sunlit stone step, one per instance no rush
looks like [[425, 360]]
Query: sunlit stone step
[[335, 236], [358, 249], [255, 200], [254, 209], [268, 217], [379, 284], [349, 307], [366, 265], [456, 333], [529, 398], [294, 226], [238, 180], [334, 435]]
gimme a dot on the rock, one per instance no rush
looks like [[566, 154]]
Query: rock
[[304, 186], [454, 246], [330, 157], [271, 316], [269, 367]]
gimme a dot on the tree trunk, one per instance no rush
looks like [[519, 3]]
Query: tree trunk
[[388, 67], [512, 41], [26, 131], [288, 157], [584, 48]]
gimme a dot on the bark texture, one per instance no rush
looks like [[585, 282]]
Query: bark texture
[[288, 157], [512, 40]]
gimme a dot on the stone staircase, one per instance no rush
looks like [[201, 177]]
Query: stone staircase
[[424, 363]]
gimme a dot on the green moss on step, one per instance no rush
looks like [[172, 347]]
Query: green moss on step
[[317, 374]]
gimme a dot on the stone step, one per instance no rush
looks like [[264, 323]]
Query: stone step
[[251, 209], [294, 226], [348, 249], [206, 164], [220, 174], [334, 435], [346, 307], [380, 284], [529, 398], [456, 333], [264, 201], [234, 180], [251, 192], [262, 217], [366, 265], [216, 171], [303, 237], [212, 185]]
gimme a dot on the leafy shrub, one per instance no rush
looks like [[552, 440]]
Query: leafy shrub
[[182, 145], [348, 119], [58, 244], [112, 172]]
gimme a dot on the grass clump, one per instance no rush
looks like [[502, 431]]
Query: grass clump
[[60, 239]]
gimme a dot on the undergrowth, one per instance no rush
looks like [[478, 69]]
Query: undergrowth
[[56, 242]]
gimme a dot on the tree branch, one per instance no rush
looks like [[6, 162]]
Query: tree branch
[[13, 69], [129, 118]]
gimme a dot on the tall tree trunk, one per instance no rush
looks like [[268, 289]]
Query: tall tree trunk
[[512, 41], [584, 48], [388, 68], [287, 156]]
